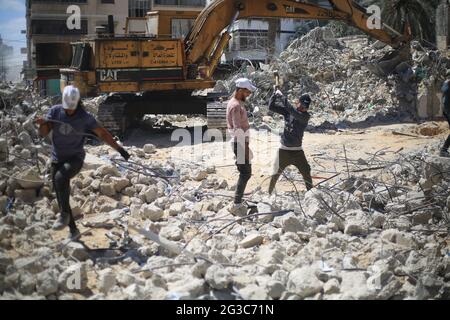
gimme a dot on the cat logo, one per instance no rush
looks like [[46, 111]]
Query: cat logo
[[108, 75]]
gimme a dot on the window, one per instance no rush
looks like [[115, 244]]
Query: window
[[249, 40], [138, 8], [181, 27], [108, 1]]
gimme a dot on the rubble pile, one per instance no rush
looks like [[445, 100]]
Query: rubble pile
[[363, 235], [344, 79]]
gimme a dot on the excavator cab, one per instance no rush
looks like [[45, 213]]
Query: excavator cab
[[80, 72]]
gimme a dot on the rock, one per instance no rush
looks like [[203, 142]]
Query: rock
[[356, 225], [5, 261], [120, 183], [199, 175], [32, 264], [25, 139], [272, 254], [378, 220], [149, 148], [313, 206], [422, 217], [76, 250], [105, 204], [321, 231], [200, 268], [265, 208], [176, 208], [20, 220], [74, 278], [26, 285], [152, 212], [92, 162], [47, 283], [253, 292], [331, 286], [217, 277], [171, 232], [187, 288], [134, 292], [105, 170], [3, 203], [151, 194], [106, 280], [354, 286], [31, 179], [107, 189], [434, 171], [251, 241], [398, 237], [380, 275], [5, 232], [3, 149], [290, 223], [303, 282], [26, 195], [126, 279], [274, 289]]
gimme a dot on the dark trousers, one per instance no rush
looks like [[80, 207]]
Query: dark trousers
[[296, 158], [447, 142], [62, 172], [244, 167]]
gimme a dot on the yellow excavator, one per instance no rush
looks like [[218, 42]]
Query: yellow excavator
[[150, 74]]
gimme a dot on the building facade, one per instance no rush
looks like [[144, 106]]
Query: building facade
[[6, 52], [49, 36]]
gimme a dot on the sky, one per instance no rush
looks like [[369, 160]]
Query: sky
[[12, 21]]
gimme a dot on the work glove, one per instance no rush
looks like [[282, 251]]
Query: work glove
[[279, 93], [124, 153]]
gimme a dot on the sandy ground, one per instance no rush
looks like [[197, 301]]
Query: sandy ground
[[318, 146]]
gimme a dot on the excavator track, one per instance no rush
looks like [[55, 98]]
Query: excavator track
[[217, 116], [112, 117]]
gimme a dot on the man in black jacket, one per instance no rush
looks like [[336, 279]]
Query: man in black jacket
[[291, 150], [446, 110]]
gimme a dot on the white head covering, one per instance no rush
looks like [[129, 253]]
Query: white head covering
[[244, 83], [70, 98]]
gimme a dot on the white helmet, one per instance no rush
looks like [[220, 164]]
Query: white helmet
[[70, 98]]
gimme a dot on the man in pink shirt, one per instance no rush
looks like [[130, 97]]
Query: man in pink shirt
[[238, 127]]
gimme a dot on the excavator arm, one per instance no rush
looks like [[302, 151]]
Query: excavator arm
[[206, 42]]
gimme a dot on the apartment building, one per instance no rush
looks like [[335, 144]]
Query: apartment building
[[6, 52], [48, 35], [255, 39]]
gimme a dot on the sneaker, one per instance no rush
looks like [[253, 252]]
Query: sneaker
[[444, 153], [62, 222], [237, 209]]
